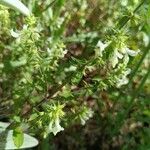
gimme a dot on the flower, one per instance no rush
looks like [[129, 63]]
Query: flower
[[14, 34], [124, 52], [130, 52], [55, 114], [54, 126], [123, 80], [115, 58], [85, 114], [101, 47]]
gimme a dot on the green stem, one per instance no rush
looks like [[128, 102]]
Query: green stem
[[53, 92], [129, 17], [45, 144], [130, 104], [135, 94], [48, 6], [139, 64]]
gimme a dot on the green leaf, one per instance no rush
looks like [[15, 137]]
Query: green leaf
[[7, 140], [17, 119], [18, 137], [77, 78], [17, 5]]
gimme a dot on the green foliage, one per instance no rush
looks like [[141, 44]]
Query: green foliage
[[71, 61], [18, 137], [17, 5], [6, 138]]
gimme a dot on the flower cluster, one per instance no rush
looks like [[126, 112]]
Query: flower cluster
[[120, 55], [55, 114], [85, 114], [48, 62]]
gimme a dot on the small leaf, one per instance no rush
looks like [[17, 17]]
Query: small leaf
[[17, 119], [18, 137], [77, 77]]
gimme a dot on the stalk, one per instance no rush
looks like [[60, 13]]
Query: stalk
[[129, 17], [130, 104], [139, 64]]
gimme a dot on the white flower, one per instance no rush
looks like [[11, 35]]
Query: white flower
[[65, 52], [85, 115], [131, 52], [14, 34], [55, 127], [115, 58], [119, 54], [123, 80], [101, 47], [55, 115], [17, 34]]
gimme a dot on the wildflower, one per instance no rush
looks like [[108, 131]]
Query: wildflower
[[130, 52], [55, 127], [17, 34], [56, 113], [115, 58], [119, 54], [123, 80], [14, 34], [101, 47], [85, 114]]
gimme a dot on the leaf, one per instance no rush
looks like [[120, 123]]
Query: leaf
[[77, 78], [18, 137], [7, 140], [17, 5]]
